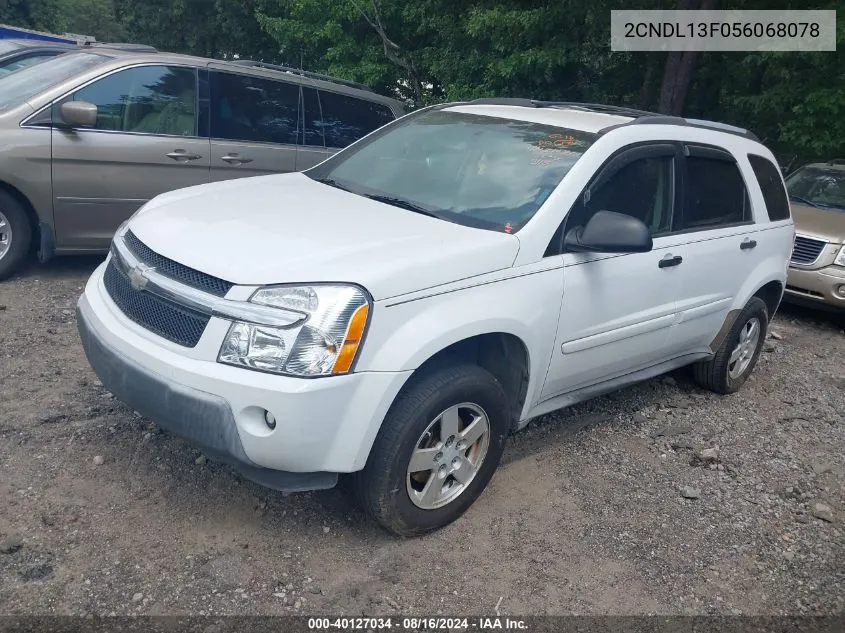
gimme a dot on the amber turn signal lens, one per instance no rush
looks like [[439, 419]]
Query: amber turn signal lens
[[354, 334]]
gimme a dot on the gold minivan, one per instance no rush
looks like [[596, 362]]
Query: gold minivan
[[89, 136], [817, 267]]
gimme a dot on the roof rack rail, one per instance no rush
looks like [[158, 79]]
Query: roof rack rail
[[569, 105], [640, 117], [303, 73], [123, 46]]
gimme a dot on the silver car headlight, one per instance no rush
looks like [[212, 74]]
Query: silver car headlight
[[325, 342], [840, 257]]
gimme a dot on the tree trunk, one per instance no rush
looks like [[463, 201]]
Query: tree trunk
[[677, 76]]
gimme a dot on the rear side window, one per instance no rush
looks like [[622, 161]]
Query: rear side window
[[714, 193], [346, 119], [771, 184], [246, 108]]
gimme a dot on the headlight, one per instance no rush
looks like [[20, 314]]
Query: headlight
[[325, 343], [840, 257]]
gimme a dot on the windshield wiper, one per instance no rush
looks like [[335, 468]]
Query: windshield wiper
[[804, 201], [402, 204], [334, 183]]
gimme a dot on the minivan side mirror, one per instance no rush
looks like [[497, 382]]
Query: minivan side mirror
[[78, 114], [609, 232]]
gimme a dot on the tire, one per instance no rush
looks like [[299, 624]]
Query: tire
[[15, 228], [716, 374], [384, 487]]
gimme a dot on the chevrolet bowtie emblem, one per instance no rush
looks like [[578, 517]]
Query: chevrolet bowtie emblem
[[138, 276]]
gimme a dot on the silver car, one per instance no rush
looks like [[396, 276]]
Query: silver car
[[89, 137]]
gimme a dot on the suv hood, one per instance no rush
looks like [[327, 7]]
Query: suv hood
[[825, 223], [290, 228]]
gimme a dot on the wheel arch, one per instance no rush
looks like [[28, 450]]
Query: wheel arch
[[29, 209], [503, 354]]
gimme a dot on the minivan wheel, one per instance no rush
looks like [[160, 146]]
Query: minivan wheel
[[735, 359], [15, 234], [437, 449]]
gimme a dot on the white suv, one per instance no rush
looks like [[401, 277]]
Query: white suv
[[396, 311]]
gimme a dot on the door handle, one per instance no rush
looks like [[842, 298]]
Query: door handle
[[235, 159], [748, 244], [668, 261], [182, 156]]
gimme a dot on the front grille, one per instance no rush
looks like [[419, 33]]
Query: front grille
[[175, 270], [806, 250], [171, 321]]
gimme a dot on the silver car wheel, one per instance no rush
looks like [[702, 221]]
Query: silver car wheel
[[448, 456], [5, 235], [742, 354]]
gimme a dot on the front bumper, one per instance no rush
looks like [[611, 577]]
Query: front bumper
[[817, 287], [324, 426]]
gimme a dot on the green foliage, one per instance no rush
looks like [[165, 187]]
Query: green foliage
[[426, 51]]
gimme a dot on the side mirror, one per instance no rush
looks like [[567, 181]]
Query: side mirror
[[609, 232], [78, 114]]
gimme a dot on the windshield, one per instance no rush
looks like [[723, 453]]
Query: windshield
[[20, 86], [473, 170], [818, 187], [11, 66]]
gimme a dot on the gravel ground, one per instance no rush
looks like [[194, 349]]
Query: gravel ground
[[661, 498]]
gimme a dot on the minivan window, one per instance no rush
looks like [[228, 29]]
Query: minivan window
[[771, 184], [312, 119], [346, 119], [18, 87], [247, 108], [480, 171], [714, 193], [146, 100]]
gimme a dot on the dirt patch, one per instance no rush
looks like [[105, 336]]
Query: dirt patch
[[104, 514]]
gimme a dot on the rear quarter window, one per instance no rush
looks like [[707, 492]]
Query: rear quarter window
[[771, 184], [346, 119]]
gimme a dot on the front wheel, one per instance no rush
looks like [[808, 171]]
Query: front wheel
[[15, 234], [437, 449]]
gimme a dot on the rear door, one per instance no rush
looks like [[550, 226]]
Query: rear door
[[255, 125], [718, 242], [147, 140]]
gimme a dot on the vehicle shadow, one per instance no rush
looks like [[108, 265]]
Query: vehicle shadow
[[58, 267], [810, 315]]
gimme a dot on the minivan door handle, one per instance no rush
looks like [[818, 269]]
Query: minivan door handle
[[668, 261], [748, 244], [182, 156], [235, 159]]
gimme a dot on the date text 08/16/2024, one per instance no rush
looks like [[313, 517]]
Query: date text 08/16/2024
[[418, 624]]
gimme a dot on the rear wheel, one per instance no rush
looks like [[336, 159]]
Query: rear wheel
[[15, 234], [735, 359], [438, 447]]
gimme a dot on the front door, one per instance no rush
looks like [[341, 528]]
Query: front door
[[619, 310], [146, 141]]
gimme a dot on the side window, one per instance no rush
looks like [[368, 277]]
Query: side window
[[714, 193], [771, 184], [246, 108], [146, 99], [346, 119], [312, 119], [644, 189]]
